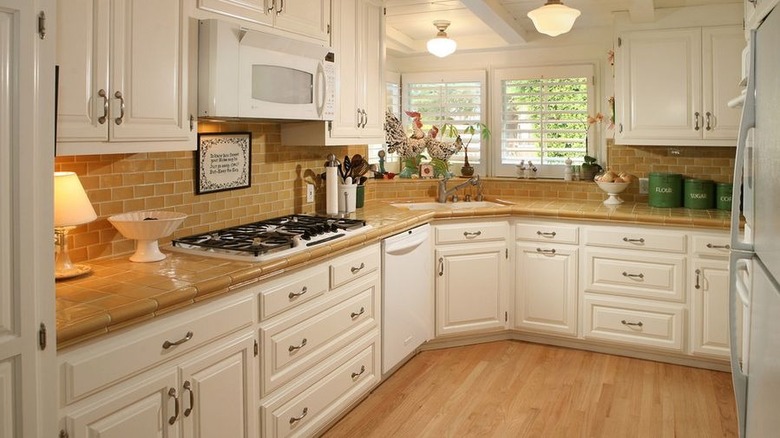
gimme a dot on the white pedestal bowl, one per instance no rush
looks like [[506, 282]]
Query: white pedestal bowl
[[146, 227], [613, 189]]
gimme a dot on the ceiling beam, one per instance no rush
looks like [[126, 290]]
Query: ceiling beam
[[495, 16], [399, 40], [642, 11]]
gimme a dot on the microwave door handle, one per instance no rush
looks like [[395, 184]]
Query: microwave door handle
[[321, 90]]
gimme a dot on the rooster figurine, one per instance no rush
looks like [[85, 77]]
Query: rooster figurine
[[398, 142], [441, 149]]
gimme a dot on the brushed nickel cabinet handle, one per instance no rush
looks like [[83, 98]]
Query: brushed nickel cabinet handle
[[293, 295], [281, 7], [632, 324], [546, 234], [292, 348], [121, 98], [698, 274], [711, 246], [471, 234], [359, 373], [188, 387], [357, 269], [630, 240], [272, 8], [294, 420], [168, 344], [545, 251], [640, 275], [102, 119], [708, 121], [441, 266], [696, 121], [354, 315], [172, 394]]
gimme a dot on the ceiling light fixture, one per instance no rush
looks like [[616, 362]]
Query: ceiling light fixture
[[553, 18], [441, 45]]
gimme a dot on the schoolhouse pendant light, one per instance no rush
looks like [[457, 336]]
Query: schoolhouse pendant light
[[441, 45], [554, 18]]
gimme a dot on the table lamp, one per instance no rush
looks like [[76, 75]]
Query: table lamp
[[71, 208]]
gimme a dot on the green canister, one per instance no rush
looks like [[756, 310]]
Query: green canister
[[723, 192], [699, 193], [665, 190]]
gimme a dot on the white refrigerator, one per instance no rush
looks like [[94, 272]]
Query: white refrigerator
[[755, 256]]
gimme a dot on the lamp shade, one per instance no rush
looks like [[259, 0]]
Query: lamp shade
[[441, 45], [554, 18], [71, 205]]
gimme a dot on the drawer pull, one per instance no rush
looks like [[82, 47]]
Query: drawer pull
[[292, 348], [172, 393], [354, 315], [711, 246], [471, 235], [545, 251], [169, 344], [360, 373], [355, 270], [698, 274], [630, 240], [546, 234], [294, 420], [640, 275], [632, 324], [293, 295], [188, 387]]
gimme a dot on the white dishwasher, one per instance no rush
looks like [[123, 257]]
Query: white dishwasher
[[407, 294]]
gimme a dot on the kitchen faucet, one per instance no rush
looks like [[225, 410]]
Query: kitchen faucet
[[443, 193]]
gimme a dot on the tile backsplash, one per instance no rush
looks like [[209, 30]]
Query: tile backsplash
[[165, 180]]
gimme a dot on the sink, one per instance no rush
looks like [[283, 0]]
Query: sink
[[446, 206]]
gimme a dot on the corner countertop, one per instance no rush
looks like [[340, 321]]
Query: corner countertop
[[119, 293]]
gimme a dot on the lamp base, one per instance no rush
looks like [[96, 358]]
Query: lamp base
[[73, 271]]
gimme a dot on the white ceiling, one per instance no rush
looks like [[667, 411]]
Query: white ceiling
[[492, 24]]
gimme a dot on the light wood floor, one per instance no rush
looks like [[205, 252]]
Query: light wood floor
[[517, 389]]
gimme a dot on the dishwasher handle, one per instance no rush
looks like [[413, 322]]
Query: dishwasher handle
[[406, 244]]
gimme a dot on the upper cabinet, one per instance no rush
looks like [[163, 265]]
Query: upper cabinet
[[309, 18], [673, 86], [123, 77], [358, 44]]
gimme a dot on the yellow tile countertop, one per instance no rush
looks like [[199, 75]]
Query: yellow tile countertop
[[120, 293]]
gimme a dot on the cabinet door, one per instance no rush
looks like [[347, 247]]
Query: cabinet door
[[546, 288], [371, 57], [659, 85], [710, 307], [470, 288], [216, 391], [721, 70], [144, 410], [249, 10], [344, 42], [82, 54], [309, 18]]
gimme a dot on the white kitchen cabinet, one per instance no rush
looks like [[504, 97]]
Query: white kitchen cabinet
[[673, 86], [358, 44], [123, 77], [546, 278], [302, 17], [709, 290], [471, 277]]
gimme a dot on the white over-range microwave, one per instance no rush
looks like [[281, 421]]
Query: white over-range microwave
[[244, 73]]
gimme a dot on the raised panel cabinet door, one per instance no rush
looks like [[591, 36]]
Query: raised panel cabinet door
[[344, 41], [546, 288], [251, 10], [722, 71], [709, 287], [216, 393], [82, 55], [306, 17], [470, 288], [147, 409], [371, 55], [659, 85], [149, 65]]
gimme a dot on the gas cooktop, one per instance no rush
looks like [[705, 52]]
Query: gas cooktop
[[269, 239]]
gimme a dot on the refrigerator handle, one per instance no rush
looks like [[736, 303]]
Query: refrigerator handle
[[747, 122], [738, 262]]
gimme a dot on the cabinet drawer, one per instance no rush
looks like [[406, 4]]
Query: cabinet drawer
[[92, 366], [353, 266], [318, 403], [633, 322], [292, 290], [292, 346], [543, 232], [635, 238], [628, 273], [711, 245], [471, 232]]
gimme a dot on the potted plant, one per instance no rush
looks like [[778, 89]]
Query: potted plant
[[470, 129], [590, 168]]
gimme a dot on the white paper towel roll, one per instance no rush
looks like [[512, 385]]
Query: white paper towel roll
[[331, 190]]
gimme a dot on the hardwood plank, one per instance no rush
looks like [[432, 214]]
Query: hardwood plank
[[519, 389]]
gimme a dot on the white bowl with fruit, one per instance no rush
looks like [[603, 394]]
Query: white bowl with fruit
[[613, 184]]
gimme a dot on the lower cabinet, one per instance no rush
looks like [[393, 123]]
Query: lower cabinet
[[471, 277], [709, 286]]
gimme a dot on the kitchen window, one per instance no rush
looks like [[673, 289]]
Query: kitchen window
[[456, 98], [393, 105], [541, 115]]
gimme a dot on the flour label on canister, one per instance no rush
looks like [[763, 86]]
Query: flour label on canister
[[663, 190]]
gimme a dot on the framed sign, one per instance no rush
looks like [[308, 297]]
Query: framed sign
[[224, 161]]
